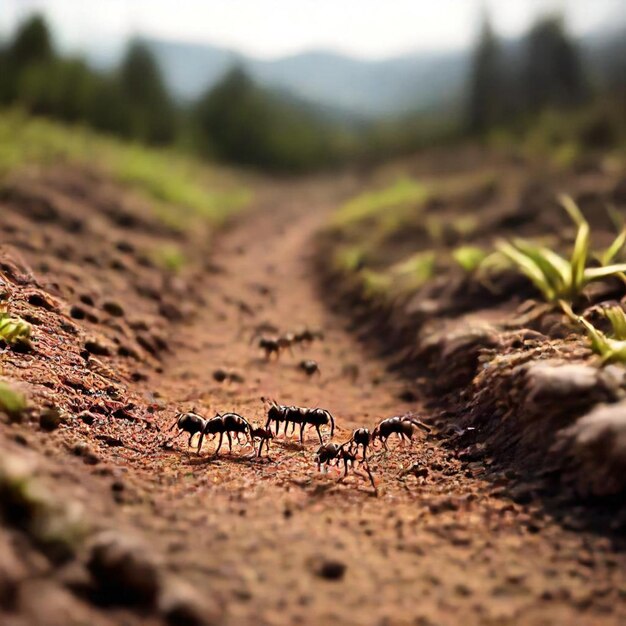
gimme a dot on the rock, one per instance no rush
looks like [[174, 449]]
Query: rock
[[123, 570], [596, 448], [328, 568], [181, 605], [50, 419], [55, 525]]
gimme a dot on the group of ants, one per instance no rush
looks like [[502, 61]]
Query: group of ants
[[235, 426]]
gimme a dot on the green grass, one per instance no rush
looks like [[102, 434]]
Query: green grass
[[403, 192], [469, 258], [167, 177], [611, 349], [557, 278]]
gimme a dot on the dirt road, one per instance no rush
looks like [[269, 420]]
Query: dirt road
[[276, 542]]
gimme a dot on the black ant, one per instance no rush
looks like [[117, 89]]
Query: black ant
[[361, 437], [309, 367], [227, 423], [269, 346], [222, 375], [191, 423], [402, 426], [264, 435], [307, 336], [333, 454], [294, 415]]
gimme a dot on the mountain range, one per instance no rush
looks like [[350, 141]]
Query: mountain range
[[347, 86]]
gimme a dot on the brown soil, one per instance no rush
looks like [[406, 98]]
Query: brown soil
[[248, 541]]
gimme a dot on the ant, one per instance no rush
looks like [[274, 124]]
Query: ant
[[402, 426], [294, 415], [264, 435], [360, 437], [270, 346], [309, 367], [191, 423], [307, 336], [333, 453], [221, 375], [227, 423]]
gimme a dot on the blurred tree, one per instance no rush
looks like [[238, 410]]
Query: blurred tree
[[152, 113], [31, 44], [553, 73], [486, 95], [240, 122]]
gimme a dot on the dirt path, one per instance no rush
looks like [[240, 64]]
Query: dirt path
[[278, 543]]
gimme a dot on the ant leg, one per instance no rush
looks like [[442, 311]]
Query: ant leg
[[230, 441], [319, 434], [302, 433], [219, 445], [190, 440]]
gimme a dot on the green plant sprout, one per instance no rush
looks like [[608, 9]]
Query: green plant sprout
[[13, 329], [12, 402], [611, 349], [557, 278], [470, 258]]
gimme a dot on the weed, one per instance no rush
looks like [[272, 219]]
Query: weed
[[404, 191], [556, 277], [12, 402], [167, 177], [13, 329], [469, 257], [611, 348]]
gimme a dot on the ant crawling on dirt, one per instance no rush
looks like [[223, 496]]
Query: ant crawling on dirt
[[191, 423], [307, 336], [309, 367], [264, 435], [229, 424], [303, 417], [402, 426], [360, 437], [269, 346], [334, 454]]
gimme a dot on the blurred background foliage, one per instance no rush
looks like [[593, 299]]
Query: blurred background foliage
[[537, 93]]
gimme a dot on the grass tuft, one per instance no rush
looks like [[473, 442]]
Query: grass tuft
[[556, 277]]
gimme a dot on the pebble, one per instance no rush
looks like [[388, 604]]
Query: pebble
[[123, 570]]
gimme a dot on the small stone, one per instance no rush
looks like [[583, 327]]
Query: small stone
[[50, 419], [123, 570], [181, 605]]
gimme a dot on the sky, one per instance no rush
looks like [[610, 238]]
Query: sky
[[273, 28]]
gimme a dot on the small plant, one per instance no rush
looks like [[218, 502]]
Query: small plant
[[13, 329], [12, 402], [469, 258], [610, 349], [557, 278]]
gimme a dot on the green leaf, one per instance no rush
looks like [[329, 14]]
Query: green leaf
[[528, 267], [594, 273]]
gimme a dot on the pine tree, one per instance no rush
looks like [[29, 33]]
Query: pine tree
[[486, 82]]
